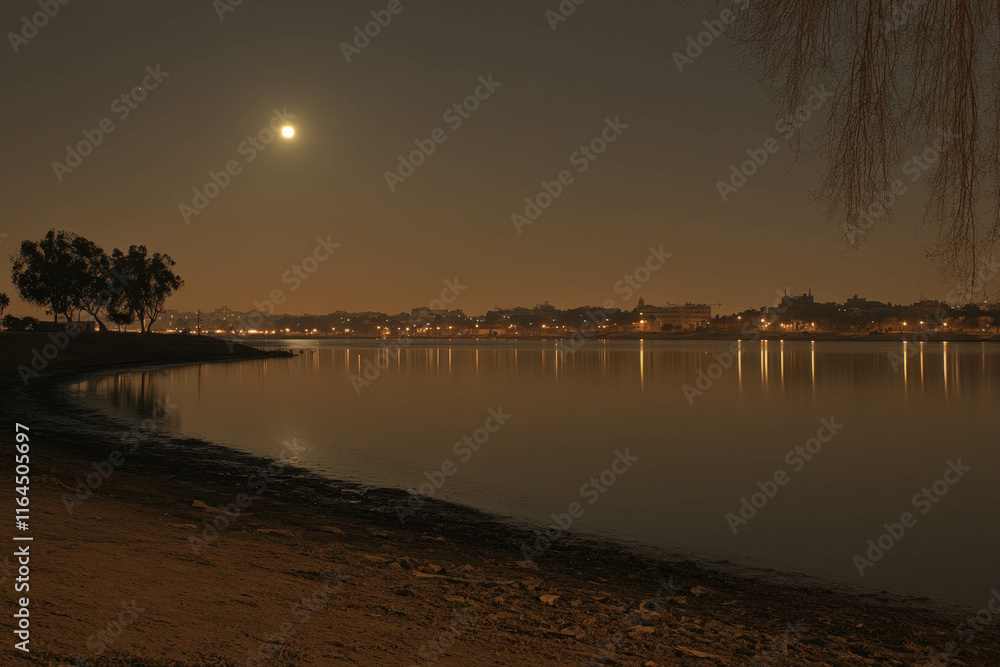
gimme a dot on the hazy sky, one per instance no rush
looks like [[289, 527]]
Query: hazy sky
[[655, 185]]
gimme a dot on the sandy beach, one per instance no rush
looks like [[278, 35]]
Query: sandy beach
[[152, 548]]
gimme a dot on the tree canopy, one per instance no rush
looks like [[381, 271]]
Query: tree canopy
[[54, 273], [149, 280], [68, 274]]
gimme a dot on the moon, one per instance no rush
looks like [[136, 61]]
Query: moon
[[288, 131]]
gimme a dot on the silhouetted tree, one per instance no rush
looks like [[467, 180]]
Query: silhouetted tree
[[66, 273], [42, 272], [148, 283], [92, 279], [905, 77], [4, 302]]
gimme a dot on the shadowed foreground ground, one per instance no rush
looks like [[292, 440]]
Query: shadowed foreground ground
[[309, 571]]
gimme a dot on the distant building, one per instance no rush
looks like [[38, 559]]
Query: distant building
[[656, 318], [858, 305], [926, 309], [802, 300]]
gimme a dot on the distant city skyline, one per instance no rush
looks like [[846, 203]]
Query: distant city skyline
[[715, 310], [173, 305], [792, 314]]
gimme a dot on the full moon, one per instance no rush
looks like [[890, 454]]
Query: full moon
[[288, 131]]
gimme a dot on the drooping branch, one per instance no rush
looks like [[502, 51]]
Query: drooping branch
[[916, 78]]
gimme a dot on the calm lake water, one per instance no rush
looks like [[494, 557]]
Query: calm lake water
[[903, 423]]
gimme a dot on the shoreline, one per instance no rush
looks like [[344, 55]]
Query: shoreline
[[731, 616]]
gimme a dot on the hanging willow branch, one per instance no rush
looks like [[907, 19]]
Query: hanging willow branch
[[909, 77]]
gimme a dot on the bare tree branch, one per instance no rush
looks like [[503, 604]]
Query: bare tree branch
[[909, 77]]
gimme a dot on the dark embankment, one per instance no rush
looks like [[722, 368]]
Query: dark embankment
[[29, 355]]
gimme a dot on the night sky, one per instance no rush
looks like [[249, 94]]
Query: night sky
[[655, 185]]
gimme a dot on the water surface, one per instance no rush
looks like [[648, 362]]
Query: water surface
[[906, 412]]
